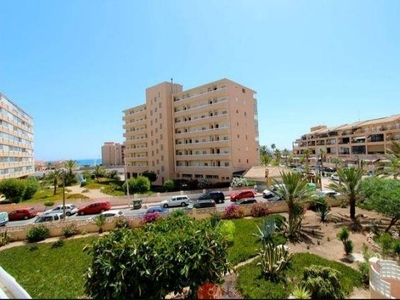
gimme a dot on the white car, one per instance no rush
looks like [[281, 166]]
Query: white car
[[328, 193], [181, 200], [70, 209], [109, 214], [335, 177]]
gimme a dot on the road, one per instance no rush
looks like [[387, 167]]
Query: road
[[127, 212]]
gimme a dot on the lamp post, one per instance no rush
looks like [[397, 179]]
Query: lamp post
[[63, 172], [127, 185]]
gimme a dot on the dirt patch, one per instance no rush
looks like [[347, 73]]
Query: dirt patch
[[320, 239]]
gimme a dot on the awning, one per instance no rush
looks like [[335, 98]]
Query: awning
[[359, 138]]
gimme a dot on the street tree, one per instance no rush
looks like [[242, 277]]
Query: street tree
[[349, 185], [384, 196]]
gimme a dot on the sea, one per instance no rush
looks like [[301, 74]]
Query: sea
[[91, 162]]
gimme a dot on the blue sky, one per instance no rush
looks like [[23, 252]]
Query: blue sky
[[76, 65]]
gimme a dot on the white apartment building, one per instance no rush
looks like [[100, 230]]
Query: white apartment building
[[16, 141]]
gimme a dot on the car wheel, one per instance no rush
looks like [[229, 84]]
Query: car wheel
[[165, 205], [183, 204], [25, 217], [68, 213], [81, 213], [102, 211]]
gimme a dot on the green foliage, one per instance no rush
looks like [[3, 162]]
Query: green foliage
[[13, 189], [122, 222], [383, 195], [323, 282], [152, 176], [31, 187], [343, 235], [156, 259], [139, 185], [385, 241], [100, 220], [48, 203], [169, 185], [301, 292], [348, 246], [5, 238], [215, 218], [259, 209], [83, 184], [227, 229], [176, 213], [239, 181], [57, 244], [266, 231], [37, 233], [363, 267], [274, 259], [49, 270], [70, 230]]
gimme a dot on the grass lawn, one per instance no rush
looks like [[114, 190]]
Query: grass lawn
[[252, 284], [46, 272]]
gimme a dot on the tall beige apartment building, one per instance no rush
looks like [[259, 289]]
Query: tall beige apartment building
[[359, 141], [16, 141], [112, 154], [210, 131]]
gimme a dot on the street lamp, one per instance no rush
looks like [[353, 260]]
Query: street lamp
[[63, 173], [126, 183]]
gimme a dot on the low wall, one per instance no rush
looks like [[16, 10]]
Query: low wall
[[18, 233], [384, 279]]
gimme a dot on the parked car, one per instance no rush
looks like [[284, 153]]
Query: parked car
[[328, 193], [158, 209], [217, 196], [277, 186], [246, 201], [22, 214], [109, 214], [70, 209], [271, 196], [95, 208], [201, 204], [3, 218], [242, 195], [181, 200], [49, 217], [335, 177]]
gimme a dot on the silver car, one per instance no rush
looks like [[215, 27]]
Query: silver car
[[181, 200], [70, 209]]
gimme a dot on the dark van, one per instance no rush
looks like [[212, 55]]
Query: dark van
[[217, 196]]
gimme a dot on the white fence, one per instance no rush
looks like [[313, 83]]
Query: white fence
[[387, 269]]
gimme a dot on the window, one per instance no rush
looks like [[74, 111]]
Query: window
[[237, 111], [243, 91]]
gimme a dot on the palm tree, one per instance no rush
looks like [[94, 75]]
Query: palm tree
[[71, 166], [306, 155], [286, 153], [48, 165], [278, 156], [55, 175], [393, 155], [322, 154], [98, 171], [337, 161], [294, 191], [349, 185]]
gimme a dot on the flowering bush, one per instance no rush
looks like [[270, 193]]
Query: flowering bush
[[233, 212], [150, 218], [259, 209], [239, 181], [70, 230], [122, 222]]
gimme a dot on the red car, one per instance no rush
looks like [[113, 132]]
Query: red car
[[242, 195], [22, 214], [94, 208]]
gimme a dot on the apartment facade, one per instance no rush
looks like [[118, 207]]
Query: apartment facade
[[210, 131], [112, 154], [16, 141], [359, 141]]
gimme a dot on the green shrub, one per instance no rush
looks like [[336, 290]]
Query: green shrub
[[13, 189], [37, 233], [70, 230], [227, 229], [122, 222], [83, 184], [48, 203], [5, 238], [31, 187], [57, 244], [176, 213], [348, 246], [344, 234], [363, 267], [215, 218]]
